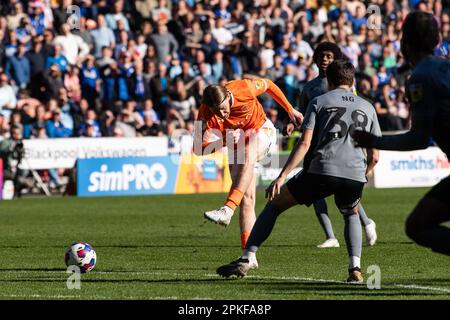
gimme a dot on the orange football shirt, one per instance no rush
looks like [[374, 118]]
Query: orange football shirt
[[246, 112]]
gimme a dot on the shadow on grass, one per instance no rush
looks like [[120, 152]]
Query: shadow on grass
[[271, 288], [194, 245]]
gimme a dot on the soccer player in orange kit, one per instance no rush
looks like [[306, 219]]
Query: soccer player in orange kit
[[233, 112]]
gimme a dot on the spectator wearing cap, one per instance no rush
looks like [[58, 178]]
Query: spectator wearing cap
[[18, 67]]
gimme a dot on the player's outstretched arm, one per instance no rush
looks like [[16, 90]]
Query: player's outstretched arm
[[275, 92], [423, 108], [416, 138]]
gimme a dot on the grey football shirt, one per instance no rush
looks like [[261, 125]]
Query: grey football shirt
[[333, 116], [312, 89]]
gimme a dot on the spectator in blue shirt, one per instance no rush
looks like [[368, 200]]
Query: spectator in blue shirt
[[54, 127], [18, 67], [359, 19], [90, 126], [37, 17], [57, 59], [90, 78], [102, 36]]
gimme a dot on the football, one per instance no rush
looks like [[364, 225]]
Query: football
[[81, 254]]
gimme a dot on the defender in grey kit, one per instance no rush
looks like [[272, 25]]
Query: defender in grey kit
[[337, 168], [326, 53]]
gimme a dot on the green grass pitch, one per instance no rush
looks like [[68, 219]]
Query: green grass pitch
[[158, 247]]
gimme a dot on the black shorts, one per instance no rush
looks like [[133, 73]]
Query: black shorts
[[308, 188], [441, 191]]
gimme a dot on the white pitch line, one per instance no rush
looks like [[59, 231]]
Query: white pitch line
[[405, 286], [178, 274], [414, 286]]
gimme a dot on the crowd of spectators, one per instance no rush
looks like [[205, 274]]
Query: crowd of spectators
[[98, 68]]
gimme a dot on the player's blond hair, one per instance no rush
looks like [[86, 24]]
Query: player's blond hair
[[214, 95]]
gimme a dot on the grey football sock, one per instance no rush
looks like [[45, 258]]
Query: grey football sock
[[353, 235], [321, 209], [263, 227], [362, 215]]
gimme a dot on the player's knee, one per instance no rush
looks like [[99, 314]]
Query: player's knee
[[413, 227], [249, 199], [349, 210], [248, 202]]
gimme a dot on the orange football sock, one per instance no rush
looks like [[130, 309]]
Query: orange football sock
[[244, 238], [234, 198]]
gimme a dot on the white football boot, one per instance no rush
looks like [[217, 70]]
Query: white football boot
[[329, 243], [221, 216]]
